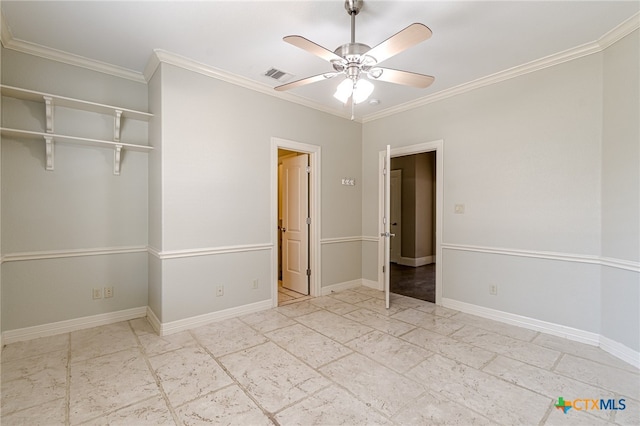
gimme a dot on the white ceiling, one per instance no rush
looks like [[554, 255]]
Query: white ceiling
[[471, 39]]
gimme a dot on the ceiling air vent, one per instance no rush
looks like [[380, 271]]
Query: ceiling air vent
[[277, 75]]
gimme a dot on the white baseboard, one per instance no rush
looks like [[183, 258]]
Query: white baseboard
[[153, 320], [416, 261], [525, 322], [200, 320], [620, 351], [341, 286], [67, 326], [616, 349], [373, 284]]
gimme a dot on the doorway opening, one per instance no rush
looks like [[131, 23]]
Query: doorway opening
[[293, 227], [420, 263], [295, 217], [413, 219]]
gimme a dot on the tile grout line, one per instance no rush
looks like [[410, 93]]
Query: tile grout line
[[315, 369], [546, 415], [114, 410], [353, 351], [143, 352], [557, 361], [267, 414], [550, 370], [334, 383]]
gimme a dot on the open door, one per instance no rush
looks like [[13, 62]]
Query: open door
[[386, 222], [395, 215], [295, 228]]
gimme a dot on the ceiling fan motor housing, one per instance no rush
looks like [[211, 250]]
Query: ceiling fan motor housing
[[353, 55], [352, 51]]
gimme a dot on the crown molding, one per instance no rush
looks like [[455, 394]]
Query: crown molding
[[5, 32], [619, 32], [162, 56], [9, 42], [537, 65], [616, 34]]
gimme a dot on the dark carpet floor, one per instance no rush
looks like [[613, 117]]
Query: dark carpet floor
[[419, 283]]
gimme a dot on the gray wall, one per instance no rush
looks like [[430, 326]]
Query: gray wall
[[78, 207], [214, 189], [524, 157], [621, 191], [535, 167]]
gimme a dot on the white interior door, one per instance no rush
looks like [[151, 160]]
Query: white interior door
[[386, 222], [396, 215], [295, 230]]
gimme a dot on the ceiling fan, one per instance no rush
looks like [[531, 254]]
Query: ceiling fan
[[356, 60]]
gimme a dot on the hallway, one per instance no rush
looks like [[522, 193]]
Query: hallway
[[419, 283]]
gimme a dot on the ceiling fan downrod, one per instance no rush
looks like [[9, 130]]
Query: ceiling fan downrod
[[351, 52], [353, 8]]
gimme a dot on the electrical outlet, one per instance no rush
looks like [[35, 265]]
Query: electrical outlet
[[220, 291], [493, 289], [97, 293], [255, 284], [108, 292]]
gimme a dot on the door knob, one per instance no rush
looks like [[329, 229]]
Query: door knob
[[394, 224], [284, 229]]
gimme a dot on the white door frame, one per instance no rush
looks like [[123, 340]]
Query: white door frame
[[294, 213], [314, 152], [438, 147]]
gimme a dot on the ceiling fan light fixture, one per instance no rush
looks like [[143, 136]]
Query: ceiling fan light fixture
[[344, 90], [362, 90]]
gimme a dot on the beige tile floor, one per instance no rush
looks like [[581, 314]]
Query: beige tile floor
[[286, 296], [339, 359]]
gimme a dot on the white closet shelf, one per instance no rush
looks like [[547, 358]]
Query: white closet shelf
[[32, 95], [72, 139], [51, 138]]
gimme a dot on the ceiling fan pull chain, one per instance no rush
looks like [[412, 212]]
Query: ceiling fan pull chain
[[353, 108]]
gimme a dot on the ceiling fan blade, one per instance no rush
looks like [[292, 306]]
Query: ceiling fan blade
[[410, 36], [305, 81], [312, 48], [403, 77]]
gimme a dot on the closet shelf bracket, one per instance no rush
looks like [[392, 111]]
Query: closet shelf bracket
[[116, 125], [48, 102], [117, 157], [48, 140]]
